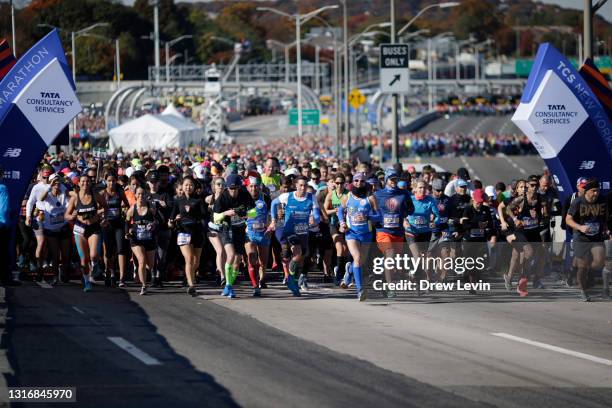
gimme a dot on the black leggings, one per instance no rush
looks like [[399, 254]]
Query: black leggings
[[25, 239], [114, 240]]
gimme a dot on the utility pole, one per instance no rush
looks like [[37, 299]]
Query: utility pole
[[589, 12], [13, 28], [118, 63], [156, 37], [347, 123], [394, 135]]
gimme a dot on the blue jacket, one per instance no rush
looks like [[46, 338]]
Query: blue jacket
[[394, 206], [4, 206]]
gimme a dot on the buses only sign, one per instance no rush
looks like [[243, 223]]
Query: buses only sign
[[394, 68]]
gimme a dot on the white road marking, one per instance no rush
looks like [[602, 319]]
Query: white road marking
[[134, 351], [513, 164], [78, 310], [44, 284], [555, 348]]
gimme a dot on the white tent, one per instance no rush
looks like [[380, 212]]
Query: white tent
[[154, 132], [171, 110]]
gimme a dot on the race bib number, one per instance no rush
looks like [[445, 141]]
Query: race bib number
[[113, 213], [183, 239], [357, 219], [56, 217], [144, 233], [391, 221], [78, 230], [592, 228], [443, 220], [258, 226], [529, 222], [301, 229], [477, 232], [420, 221]]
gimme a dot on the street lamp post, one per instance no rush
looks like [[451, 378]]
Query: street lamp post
[[299, 20], [167, 52], [589, 11], [13, 28], [74, 36], [394, 136]]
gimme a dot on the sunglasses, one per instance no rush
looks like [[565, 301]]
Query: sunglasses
[[338, 182], [533, 185], [358, 181]]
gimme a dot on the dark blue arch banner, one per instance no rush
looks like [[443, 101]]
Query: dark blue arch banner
[[37, 101], [565, 121]]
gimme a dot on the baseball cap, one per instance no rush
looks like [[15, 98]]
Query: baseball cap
[[437, 184], [411, 169], [233, 180], [490, 191], [253, 179], [153, 176], [233, 168], [120, 156], [581, 182], [479, 196], [390, 172], [46, 171], [402, 184], [54, 177], [591, 183], [292, 172], [373, 181], [461, 183], [463, 173]]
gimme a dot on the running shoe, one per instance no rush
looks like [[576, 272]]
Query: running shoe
[[274, 266], [303, 284], [507, 282], [192, 291], [121, 283], [605, 294], [96, 271], [263, 285], [538, 285], [292, 285], [33, 267], [87, 287], [584, 296], [284, 281], [391, 294], [336, 277], [521, 289], [143, 290], [226, 290], [231, 295], [256, 292], [361, 295]]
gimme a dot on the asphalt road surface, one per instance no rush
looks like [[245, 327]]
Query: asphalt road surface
[[324, 349], [472, 125]]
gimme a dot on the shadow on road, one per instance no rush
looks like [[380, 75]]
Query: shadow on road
[[59, 337]]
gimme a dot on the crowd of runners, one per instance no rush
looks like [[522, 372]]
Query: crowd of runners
[[148, 218]]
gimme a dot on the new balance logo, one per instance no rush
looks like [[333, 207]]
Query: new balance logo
[[587, 165], [10, 152]]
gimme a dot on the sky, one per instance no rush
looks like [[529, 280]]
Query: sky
[[605, 11]]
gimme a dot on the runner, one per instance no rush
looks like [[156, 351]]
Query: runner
[[141, 226], [214, 230], [52, 205], [440, 233], [478, 224], [332, 202], [32, 216], [188, 216], [87, 208], [278, 216], [357, 214], [420, 223], [395, 205], [588, 217], [115, 244], [301, 210], [258, 236], [163, 206], [230, 210]]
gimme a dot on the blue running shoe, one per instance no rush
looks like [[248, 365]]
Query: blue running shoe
[[226, 290], [256, 292], [292, 285], [87, 287], [361, 295], [231, 295]]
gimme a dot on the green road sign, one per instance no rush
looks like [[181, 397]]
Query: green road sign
[[310, 117]]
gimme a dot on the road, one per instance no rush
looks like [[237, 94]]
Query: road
[[324, 349]]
